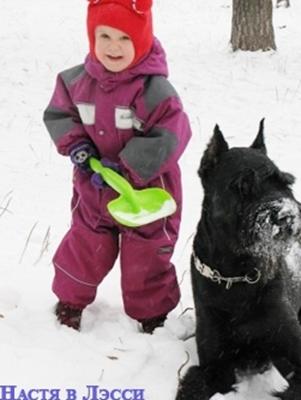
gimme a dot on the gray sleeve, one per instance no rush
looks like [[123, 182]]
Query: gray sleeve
[[61, 116], [145, 155], [57, 122], [157, 89]]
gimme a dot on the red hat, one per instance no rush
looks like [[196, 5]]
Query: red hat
[[130, 16]]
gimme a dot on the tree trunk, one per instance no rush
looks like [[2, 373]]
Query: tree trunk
[[283, 3], [252, 25]]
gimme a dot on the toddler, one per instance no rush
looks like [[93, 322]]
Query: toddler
[[118, 106]]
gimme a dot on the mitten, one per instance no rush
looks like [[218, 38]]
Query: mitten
[[110, 164], [96, 179], [80, 154]]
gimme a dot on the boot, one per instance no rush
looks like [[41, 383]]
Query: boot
[[68, 315], [149, 325]]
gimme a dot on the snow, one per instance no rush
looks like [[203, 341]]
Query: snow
[[37, 40], [293, 261]]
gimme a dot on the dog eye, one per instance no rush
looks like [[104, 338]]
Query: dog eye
[[245, 185], [245, 189]]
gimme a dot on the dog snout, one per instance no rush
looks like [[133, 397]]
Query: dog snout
[[279, 219], [287, 221], [285, 224]]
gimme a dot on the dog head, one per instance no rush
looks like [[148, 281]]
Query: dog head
[[248, 203]]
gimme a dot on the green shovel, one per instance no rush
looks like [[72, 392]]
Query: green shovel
[[134, 207]]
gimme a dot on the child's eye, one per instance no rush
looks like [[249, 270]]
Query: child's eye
[[104, 36], [125, 38]]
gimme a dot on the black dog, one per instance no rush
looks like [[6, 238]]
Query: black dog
[[245, 274]]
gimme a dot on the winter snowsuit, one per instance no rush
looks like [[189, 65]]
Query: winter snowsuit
[[135, 118]]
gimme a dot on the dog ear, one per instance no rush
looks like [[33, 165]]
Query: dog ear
[[285, 177], [215, 148], [258, 143]]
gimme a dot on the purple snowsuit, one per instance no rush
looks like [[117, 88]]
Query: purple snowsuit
[[135, 118]]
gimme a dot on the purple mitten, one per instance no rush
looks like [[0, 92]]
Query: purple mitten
[[111, 164], [96, 179], [80, 154]]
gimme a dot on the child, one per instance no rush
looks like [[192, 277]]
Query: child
[[120, 107]]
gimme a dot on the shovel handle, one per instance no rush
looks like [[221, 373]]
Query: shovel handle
[[115, 181]]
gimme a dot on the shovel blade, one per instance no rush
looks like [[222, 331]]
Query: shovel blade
[[154, 203]]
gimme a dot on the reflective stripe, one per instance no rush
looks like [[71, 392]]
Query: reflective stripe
[[165, 219], [72, 74], [157, 89], [87, 113], [57, 122], [123, 118], [73, 277], [145, 155]]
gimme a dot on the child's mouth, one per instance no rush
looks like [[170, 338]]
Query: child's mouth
[[114, 58]]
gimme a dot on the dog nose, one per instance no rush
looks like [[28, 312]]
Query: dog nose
[[287, 223]]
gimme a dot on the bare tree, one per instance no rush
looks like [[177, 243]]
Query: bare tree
[[283, 3], [252, 25]]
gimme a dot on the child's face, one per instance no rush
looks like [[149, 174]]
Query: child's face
[[113, 48]]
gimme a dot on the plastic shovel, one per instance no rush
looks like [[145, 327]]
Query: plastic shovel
[[134, 207]]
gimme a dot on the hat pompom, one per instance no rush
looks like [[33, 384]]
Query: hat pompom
[[142, 6]]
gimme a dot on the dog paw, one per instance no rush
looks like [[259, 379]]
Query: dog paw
[[194, 386]]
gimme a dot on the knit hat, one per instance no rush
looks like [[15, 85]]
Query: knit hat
[[132, 17]]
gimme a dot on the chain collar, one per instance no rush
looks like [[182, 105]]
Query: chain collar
[[215, 276]]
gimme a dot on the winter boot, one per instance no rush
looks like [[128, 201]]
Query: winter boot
[[68, 315], [149, 325]]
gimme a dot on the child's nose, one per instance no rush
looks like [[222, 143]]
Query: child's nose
[[114, 46]]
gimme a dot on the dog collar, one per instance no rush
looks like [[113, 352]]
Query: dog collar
[[215, 276]]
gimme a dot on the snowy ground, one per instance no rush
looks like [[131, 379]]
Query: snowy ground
[[40, 38]]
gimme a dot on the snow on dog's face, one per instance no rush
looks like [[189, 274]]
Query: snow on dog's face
[[274, 231], [249, 201]]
